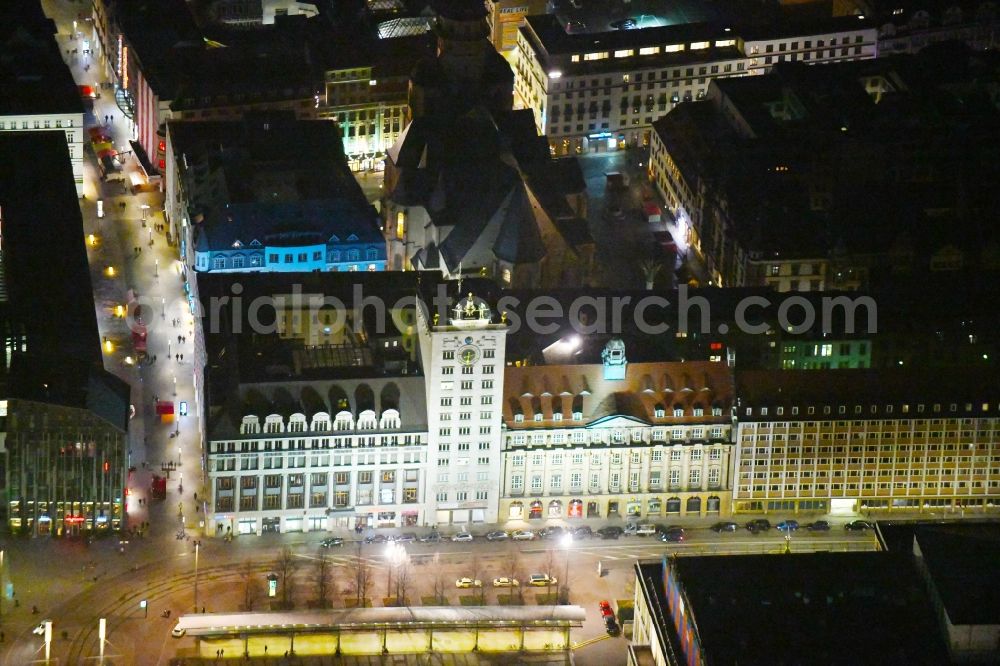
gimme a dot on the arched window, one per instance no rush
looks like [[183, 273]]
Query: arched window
[[694, 505], [256, 261], [714, 504], [674, 505], [371, 253], [219, 262], [353, 255], [238, 261]]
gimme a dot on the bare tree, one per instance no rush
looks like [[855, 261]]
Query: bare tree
[[514, 569], [403, 572], [476, 573], [362, 574], [439, 581], [247, 575], [322, 579], [550, 562], [286, 566]]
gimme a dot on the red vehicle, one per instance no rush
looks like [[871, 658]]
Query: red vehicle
[[606, 609], [158, 488]]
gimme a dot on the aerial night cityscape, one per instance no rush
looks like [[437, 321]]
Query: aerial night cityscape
[[487, 332]]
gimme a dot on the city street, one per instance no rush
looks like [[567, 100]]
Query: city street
[[160, 570]]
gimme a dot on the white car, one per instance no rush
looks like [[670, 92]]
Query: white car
[[522, 535], [504, 581], [541, 580], [462, 536], [40, 629], [177, 632], [465, 583]]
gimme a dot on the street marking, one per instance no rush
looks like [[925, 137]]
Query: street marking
[[591, 641]]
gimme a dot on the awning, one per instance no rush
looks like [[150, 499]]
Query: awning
[[143, 159], [164, 407]]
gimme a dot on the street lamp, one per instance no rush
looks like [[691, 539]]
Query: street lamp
[[394, 556], [197, 547], [175, 386], [156, 269], [163, 309], [566, 541]]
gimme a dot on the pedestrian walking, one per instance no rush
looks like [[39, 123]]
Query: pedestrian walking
[[182, 358]]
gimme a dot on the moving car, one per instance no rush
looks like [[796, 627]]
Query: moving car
[[611, 625], [818, 526], [462, 536], [583, 532], [541, 580], [376, 538], [724, 526], [674, 535], [758, 525], [433, 537], [496, 535], [465, 583], [787, 526], [331, 542], [610, 532], [40, 629], [406, 537], [605, 609], [550, 532], [522, 535], [177, 632], [504, 581], [858, 525]]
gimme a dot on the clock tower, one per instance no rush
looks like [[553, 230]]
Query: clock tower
[[463, 363]]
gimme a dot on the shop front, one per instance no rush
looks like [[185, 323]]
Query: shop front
[[593, 510], [271, 525], [555, 509], [515, 511], [246, 526], [535, 510], [575, 508], [293, 524]]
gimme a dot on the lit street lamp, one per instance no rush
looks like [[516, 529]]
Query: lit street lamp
[[156, 269], [395, 554], [567, 541], [197, 547]]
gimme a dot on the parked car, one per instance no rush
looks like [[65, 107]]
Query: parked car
[[646, 529], [406, 537], [611, 625], [858, 525], [675, 536], [610, 532], [550, 532], [465, 583], [504, 581], [630, 529], [583, 532], [376, 538], [331, 542], [605, 609], [177, 632], [787, 526], [758, 525], [541, 580], [724, 526], [818, 526], [462, 536], [522, 535], [433, 537], [496, 535]]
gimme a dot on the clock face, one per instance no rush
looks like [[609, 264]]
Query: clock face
[[468, 355]]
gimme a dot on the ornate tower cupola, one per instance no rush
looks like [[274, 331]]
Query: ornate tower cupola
[[614, 359]]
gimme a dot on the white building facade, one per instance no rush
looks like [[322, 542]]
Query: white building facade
[[595, 92], [618, 440], [463, 363], [354, 457]]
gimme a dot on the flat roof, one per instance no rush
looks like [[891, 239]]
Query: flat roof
[[47, 296], [33, 76], [359, 619], [817, 608]]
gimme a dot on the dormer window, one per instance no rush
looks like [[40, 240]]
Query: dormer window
[[518, 418], [659, 412], [557, 416], [538, 416], [577, 416], [678, 411]]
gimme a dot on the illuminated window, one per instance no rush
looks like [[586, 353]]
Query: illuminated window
[[401, 224], [724, 42], [649, 50], [673, 48], [625, 53], [699, 45], [600, 55], [574, 58]]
